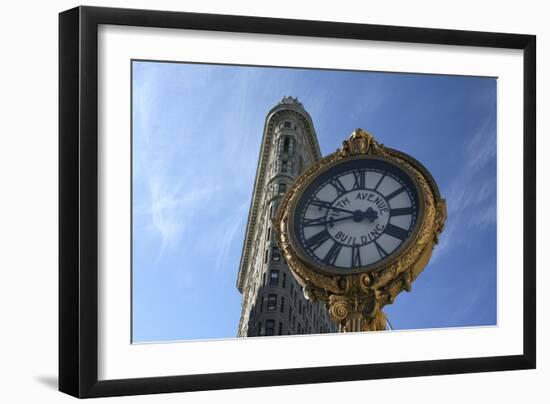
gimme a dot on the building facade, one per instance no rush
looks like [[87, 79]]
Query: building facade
[[273, 302]]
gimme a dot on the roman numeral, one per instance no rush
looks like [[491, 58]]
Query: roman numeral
[[396, 232], [380, 181], [394, 193], [380, 250], [314, 222], [401, 211], [322, 204], [359, 177], [355, 256], [338, 186], [316, 240], [332, 254]]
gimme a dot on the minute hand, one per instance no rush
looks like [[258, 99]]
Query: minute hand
[[330, 221], [343, 210], [322, 205]]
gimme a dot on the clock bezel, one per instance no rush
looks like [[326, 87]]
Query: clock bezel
[[381, 264]]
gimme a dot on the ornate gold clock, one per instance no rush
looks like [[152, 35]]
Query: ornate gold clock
[[358, 227]]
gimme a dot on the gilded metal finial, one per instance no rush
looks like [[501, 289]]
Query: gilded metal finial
[[359, 142]]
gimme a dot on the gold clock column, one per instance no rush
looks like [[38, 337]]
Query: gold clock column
[[355, 301]]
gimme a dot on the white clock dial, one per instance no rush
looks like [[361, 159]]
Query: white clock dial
[[356, 214]]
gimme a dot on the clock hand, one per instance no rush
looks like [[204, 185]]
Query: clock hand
[[342, 210], [330, 221], [326, 206]]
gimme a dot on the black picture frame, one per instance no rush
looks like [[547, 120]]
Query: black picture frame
[[78, 200]]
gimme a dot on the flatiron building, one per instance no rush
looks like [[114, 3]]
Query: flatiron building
[[273, 303]]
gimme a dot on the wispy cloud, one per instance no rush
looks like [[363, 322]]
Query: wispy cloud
[[482, 148], [228, 232], [171, 140], [471, 198], [173, 207]]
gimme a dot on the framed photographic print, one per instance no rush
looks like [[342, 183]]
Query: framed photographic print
[[250, 201]]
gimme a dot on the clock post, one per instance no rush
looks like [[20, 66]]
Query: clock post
[[358, 228]]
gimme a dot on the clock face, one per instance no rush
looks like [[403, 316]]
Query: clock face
[[356, 214]]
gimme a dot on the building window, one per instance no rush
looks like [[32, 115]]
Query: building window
[[300, 306], [271, 302], [263, 279], [269, 233], [266, 256], [282, 188], [274, 278], [284, 166], [270, 211], [269, 327], [261, 304], [284, 280], [282, 304], [288, 125], [280, 328], [286, 145], [261, 330], [289, 313], [275, 255]]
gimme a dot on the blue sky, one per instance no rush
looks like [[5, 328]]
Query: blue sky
[[196, 137]]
